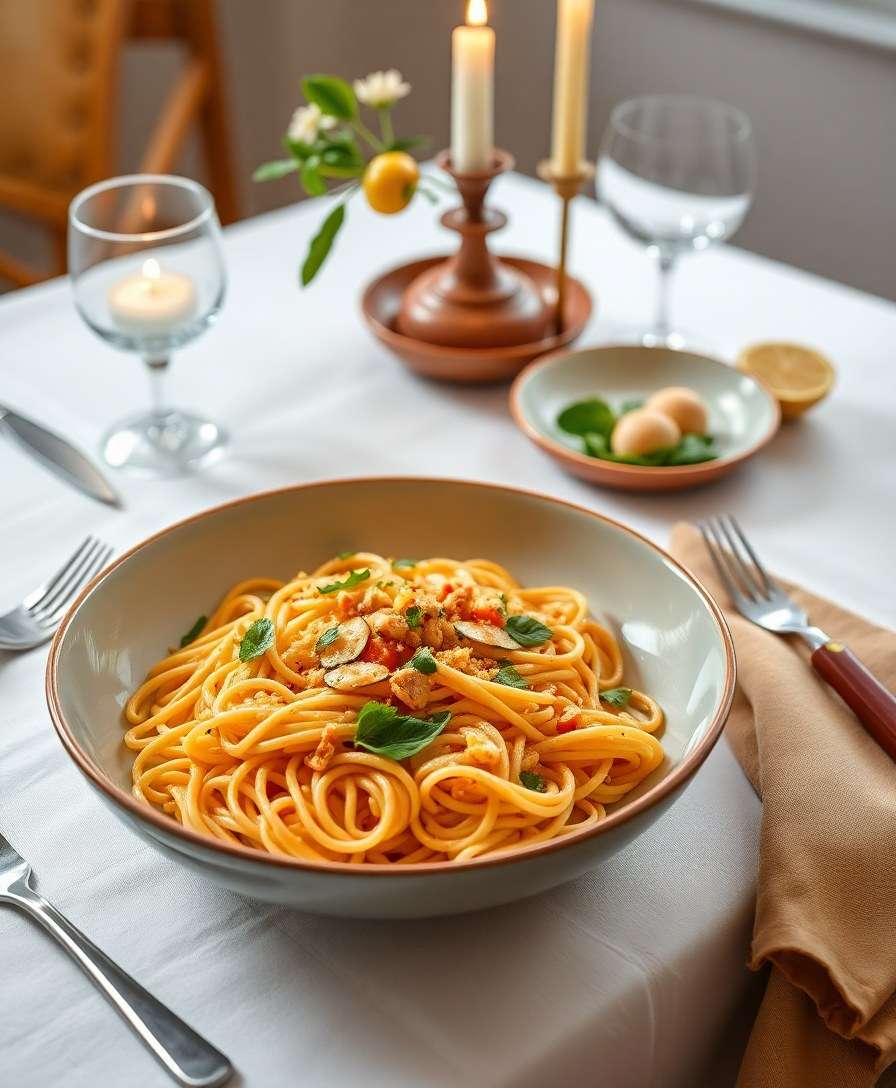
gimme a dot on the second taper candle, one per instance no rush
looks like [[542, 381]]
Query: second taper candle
[[473, 92], [574, 19]]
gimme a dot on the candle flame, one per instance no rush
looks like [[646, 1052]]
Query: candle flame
[[151, 269], [477, 13]]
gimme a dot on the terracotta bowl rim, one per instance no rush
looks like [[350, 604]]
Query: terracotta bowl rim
[[676, 778]]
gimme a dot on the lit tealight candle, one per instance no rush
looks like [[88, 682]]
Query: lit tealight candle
[[574, 19], [152, 302], [473, 92]]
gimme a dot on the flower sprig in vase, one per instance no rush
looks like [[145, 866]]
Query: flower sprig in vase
[[328, 142]]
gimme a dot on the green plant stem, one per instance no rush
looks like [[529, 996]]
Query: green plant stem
[[386, 128], [364, 132]]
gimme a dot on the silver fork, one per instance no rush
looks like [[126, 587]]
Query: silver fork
[[188, 1058], [759, 598], [37, 617]]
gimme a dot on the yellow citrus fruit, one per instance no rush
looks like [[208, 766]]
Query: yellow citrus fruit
[[390, 181], [797, 376]]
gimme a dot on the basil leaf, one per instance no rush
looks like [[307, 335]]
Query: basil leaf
[[257, 640], [527, 631], [510, 677], [334, 96], [423, 661], [385, 732], [532, 781], [414, 616], [353, 579], [322, 243], [587, 417], [270, 171], [597, 445], [399, 563], [631, 406], [692, 450], [616, 696], [345, 555], [312, 182], [193, 633], [327, 638]]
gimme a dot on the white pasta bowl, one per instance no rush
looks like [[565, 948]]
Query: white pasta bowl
[[675, 644]]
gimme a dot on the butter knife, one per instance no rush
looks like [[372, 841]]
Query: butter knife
[[58, 455]]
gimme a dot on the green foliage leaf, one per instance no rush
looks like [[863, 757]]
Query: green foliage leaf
[[327, 638], [423, 661], [532, 781], [353, 579], [334, 96], [631, 405], [385, 732], [510, 677], [322, 243], [414, 616], [408, 144], [194, 631], [692, 450], [312, 182], [527, 630], [344, 156], [270, 171], [587, 417], [616, 696], [298, 148], [257, 640]]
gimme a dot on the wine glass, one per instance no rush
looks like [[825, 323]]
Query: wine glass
[[145, 259], [677, 172]]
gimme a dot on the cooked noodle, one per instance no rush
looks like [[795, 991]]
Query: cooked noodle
[[262, 752]]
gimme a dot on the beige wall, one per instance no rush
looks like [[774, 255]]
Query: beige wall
[[822, 109]]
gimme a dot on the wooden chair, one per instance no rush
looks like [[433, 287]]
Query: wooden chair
[[60, 62]]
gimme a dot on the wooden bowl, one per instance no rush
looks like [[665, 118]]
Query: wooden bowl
[[743, 415], [382, 299]]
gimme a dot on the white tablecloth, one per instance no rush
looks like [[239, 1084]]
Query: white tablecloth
[[630, 978]]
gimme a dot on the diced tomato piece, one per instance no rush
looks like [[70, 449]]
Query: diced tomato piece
[[381, 651], [445, 590], [488, 614], [568, 726]]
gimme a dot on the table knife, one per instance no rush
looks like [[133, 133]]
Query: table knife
[[58, 455]]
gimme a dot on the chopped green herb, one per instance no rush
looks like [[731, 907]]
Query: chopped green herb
[[383, 584], [327, 638], [423, 661], [503, 608], [616, 696], [385, 732], [510, 677], [257, 640], [587, 417], [527, 630], [194, 631], [353, 579], [345, 555], [399, 563], [532, 781], [414, 616]]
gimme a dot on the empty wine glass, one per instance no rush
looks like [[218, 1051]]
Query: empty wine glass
[[677, 172], [147, 269]]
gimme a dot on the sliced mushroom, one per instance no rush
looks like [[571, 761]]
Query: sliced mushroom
[[356, 675], [486, 634], [348, 644]]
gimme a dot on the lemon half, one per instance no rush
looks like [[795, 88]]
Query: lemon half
[[797, 376]]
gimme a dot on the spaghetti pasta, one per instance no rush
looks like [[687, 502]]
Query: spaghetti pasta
[[392, 712]]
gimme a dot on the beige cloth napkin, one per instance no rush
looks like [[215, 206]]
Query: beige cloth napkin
[[826, 899]]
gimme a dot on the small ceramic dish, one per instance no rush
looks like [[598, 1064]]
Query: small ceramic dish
[[743, 415], [382, 299], [675, 645]]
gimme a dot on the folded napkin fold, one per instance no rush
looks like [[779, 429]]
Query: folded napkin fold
[[826, 893]]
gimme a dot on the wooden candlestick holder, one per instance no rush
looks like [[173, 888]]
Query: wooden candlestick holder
[[567, 187], [473, 299]]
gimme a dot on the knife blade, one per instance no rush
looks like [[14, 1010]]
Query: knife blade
[[58, 455]]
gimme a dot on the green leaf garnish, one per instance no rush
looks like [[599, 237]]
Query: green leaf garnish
[[532, 781], [414, 616], [352, 580], [693, 449], [270, 171], [631, 405], [587, 417], [503, 607], [193, 633], [509, 676], [257, 640], [345, 555], [527, 630], [400, 563], [312, 182], [385, 732], [327, 638], [423, 661], [322, 243], [334, 96], [616, 696]]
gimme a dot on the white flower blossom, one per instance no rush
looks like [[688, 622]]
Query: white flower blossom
[[307, 122], [380, 90]]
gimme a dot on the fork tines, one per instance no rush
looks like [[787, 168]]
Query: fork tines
[[48, 603], [738, 566]]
